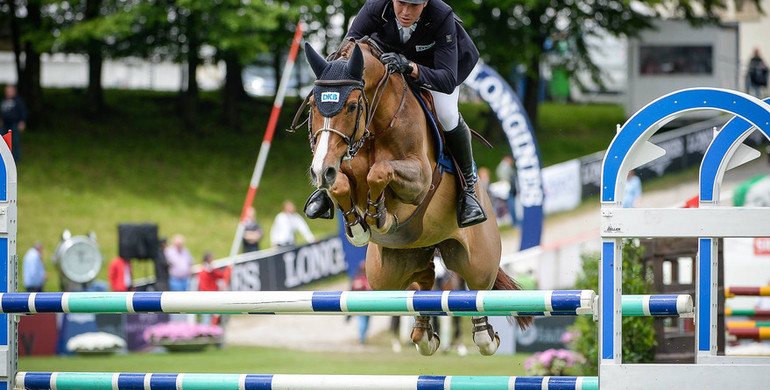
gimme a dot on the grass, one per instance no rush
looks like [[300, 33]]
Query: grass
[[257, 360], [570, 131], [138, 162]]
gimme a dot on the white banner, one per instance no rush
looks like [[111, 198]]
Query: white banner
[[562, 187]]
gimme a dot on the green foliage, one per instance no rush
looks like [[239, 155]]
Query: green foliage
[[638, 332]]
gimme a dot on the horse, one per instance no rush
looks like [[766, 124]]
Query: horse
[[375, 156]]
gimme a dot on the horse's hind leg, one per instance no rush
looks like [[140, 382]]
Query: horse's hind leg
[[397, 269], [423, 335], [356, 230], [478, 264]]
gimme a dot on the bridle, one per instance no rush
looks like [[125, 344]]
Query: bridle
[[353, 145]]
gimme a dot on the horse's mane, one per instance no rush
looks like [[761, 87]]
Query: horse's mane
[[345, 47]]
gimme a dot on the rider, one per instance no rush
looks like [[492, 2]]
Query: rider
[[424, 39]]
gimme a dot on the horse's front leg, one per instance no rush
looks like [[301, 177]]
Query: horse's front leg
[[408, 180], [356, 229]]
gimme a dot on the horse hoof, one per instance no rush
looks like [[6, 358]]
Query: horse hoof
[[427, 346], [360, 235], [487, 346]]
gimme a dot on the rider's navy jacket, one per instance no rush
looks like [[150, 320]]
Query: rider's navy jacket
[[442, 50]]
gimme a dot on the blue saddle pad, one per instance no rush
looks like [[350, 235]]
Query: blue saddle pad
[[443, 160]]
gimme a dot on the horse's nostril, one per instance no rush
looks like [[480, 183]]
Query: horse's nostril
[[313, 176], [330, 174]]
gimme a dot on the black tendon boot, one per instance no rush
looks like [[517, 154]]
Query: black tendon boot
[[469, 210], [319, 205]]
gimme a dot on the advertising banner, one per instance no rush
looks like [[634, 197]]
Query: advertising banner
[[494, 90], [561, 183], [272, 270]]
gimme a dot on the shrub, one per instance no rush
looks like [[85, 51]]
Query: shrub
[[638, 332]]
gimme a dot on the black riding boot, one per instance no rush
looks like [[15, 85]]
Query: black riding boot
[[319, 205], [469, 210]]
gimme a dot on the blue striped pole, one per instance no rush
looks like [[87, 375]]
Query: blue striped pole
[[131, 381], [657, 305], [502, 303], [458, 303]]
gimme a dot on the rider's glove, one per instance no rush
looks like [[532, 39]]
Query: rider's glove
[[397, 63]]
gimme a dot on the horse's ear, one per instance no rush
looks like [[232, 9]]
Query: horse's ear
[[356, 63], [317, 63]]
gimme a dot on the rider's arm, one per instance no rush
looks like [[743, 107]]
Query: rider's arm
[[443, 77]]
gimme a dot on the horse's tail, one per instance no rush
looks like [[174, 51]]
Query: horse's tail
[[505, 282]]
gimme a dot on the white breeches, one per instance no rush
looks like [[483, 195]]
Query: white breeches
[[446, 108]]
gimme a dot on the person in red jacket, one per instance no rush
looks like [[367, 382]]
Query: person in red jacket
[[208, 276], [208, 279], [119, 273]]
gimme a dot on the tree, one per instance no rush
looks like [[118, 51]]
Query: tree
[[527, 26], [327, 23], [80, 28], [29, 37], [239, 31]]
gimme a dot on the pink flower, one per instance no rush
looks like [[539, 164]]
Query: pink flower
[[551, 362], [172, 331], [547, 356], [568, 337]]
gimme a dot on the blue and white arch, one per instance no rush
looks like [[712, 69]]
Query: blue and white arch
[[631, 148]]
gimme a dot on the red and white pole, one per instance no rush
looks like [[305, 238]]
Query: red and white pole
[[265, 148]]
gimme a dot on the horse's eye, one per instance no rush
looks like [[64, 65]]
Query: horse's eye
[[352, 107]]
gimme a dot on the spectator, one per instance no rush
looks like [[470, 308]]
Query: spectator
[[14, 118], [161, 268], [506, 171], [208, 280], [252, 232], [360, 283], [633, 190], [34, 269], [285, 226], [180, 264], [120, 274], [756, 76]]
